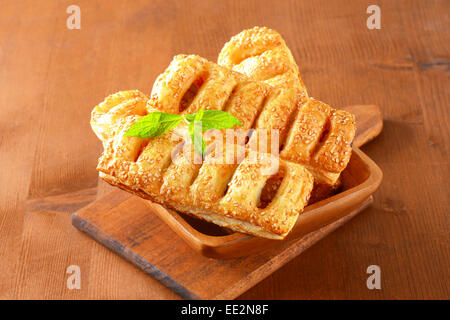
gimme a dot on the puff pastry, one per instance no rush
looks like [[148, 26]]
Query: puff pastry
[[257, 193], [262, 54]]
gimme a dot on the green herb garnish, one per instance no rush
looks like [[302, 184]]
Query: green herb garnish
[[156, 123]]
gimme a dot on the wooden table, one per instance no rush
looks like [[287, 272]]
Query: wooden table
[[51, 77]]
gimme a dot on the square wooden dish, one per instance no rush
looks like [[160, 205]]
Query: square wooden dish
[[359, 180]]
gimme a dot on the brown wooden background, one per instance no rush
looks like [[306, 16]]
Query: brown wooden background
[[51, 77]]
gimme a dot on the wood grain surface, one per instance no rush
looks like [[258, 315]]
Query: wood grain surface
[[51, 77], [127, 226]]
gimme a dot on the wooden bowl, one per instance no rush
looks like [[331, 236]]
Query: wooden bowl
[[360, 179]]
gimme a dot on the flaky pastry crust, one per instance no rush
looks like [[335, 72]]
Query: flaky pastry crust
[[258, 82]]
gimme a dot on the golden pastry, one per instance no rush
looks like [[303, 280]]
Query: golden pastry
[[320, 137], [257, 193], [210, 190]]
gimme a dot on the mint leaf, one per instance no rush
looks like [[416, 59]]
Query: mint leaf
[[195, 131], [199, 115], [190, 117], [154, 124], [217, 119], [213, 119]]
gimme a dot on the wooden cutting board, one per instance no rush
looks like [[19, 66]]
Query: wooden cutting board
[[124, 224]]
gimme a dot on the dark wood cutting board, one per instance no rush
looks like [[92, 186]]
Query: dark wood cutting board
[[125, 224]]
